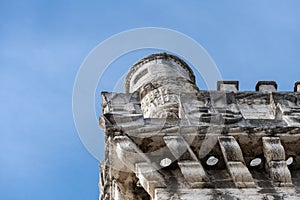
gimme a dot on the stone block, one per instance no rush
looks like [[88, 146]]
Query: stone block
[[266, 86], [229, 86]]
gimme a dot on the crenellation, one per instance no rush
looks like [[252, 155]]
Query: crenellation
[[266, 86], [297, 86], [166, 139], [230, 86]]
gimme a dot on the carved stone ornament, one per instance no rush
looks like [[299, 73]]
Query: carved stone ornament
[[166, 139]]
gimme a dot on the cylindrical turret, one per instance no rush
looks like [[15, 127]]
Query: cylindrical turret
[[160, 78]]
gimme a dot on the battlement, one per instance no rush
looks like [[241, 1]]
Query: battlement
[[261, 86], [169, 140]]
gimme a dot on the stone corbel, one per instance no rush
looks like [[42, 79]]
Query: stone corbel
[[146, 171], [188, 162], [235, 163], [276, 165]]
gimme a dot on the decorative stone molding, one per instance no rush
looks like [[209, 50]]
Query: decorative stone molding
[[166, 139]]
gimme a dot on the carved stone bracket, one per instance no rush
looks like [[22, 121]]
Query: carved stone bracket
[[146, 171], [163, 128], [149, 178], [129, 153], [188, 162], [235, 163], [276, 165], [193, 173]]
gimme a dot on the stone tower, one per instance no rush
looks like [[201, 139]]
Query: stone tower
[[166, 139]]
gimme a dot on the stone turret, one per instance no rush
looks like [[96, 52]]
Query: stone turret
[[166, 139], [159, 79]]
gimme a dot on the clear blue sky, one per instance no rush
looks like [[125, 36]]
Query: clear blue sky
[[43, 43]]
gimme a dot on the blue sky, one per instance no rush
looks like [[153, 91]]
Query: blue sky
[[43, 43]]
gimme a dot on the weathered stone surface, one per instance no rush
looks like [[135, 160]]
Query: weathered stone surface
[[160, 79], [234, 159], [180, 149], [187, 161], [149, 178], [266, 86], [287, 107], [129, 153], [223, 194], [273, 149], [240, 175], [193, 173], [231, 149], [280, 174], [166, 139], [255, 105], [297, 87], [276, 164], [229, 86]]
